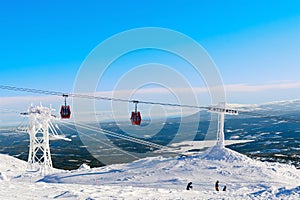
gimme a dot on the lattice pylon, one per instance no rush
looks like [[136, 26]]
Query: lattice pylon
[[39, 149]]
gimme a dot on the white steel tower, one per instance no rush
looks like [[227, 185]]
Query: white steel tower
[[39, 125], [221, 110]]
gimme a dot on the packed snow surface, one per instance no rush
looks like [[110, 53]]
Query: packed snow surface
[[156, 178]]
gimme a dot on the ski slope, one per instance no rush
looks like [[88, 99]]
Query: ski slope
[[156, 178]]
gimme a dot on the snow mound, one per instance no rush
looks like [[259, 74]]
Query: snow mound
[[84, 167], [2, 177], [220, 153]]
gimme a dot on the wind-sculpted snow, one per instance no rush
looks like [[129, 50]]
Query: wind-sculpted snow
[[218, 153], [166, 178]]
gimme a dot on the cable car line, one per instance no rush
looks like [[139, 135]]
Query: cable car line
[[124, 137], [77, 95], [120, 136], [30, 90], [125, 152], [65, 111]]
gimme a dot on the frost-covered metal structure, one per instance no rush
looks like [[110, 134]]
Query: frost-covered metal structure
[[221, 110], [39, 129]]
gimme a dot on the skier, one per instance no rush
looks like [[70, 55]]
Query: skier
[[189, 186], [217, 186]]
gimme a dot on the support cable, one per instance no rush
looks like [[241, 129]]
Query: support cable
[[77, 95]]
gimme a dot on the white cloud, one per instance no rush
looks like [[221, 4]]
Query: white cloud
[[260, 88]]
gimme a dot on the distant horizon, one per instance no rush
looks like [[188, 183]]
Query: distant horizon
[[12, 118]]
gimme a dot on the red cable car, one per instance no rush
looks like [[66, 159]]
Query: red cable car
[[135, 116], [65, 110]]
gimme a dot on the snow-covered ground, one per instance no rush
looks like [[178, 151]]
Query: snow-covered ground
[[156, 178]]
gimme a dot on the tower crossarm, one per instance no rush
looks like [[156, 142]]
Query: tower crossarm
[[222, 108]]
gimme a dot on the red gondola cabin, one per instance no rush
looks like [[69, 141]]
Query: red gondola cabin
[[135, 116], [65, 110]]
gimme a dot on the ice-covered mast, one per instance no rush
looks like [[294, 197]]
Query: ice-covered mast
[[221, 110], [40, 125]]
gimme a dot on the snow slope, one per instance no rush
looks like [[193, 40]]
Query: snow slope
[[160, 178], [11, 167]]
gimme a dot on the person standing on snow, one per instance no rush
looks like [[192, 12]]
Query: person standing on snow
[[189, 186], [217, 186]]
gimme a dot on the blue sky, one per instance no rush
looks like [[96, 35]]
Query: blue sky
[[255, 44]]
